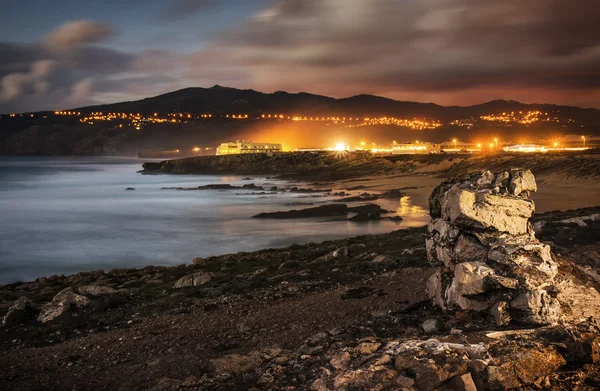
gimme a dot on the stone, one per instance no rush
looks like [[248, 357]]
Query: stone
[[405, 382], [468, 249], [340, 361], [433, 362], [195, 279], [368, 347], [430, 373], [234, 364], [459, 383], [469, 280], [537, 307], [380, 258], [521, 181], [365, 379], [435, 289], [466, 208], [432, 326], [21, 310], [95, 290], [501, 314], [63, 302], [523, 366]]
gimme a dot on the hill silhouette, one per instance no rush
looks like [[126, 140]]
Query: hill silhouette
[[226, 100]]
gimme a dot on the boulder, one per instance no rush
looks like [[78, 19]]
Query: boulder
[[234, 364], [195, 279], [101, 297], [21, 310], [63, 302], [470, 209]]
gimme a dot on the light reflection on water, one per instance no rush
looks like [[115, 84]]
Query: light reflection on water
[[64, 215]]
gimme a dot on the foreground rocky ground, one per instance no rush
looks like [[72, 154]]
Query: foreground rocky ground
[[351, 314]]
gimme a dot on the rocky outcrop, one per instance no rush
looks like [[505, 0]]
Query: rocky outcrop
[[218, 186], [22, 309], [486, 252], [364, 212], [73, 298]]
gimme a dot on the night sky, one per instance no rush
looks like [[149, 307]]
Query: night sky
[[61, 54]]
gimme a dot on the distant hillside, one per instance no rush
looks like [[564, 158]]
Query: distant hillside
[[224, 100], [50, 133]]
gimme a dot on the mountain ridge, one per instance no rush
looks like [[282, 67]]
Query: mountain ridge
[[228, 100]]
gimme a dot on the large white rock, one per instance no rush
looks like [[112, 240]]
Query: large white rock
[[469, 279], [469, 209], [520, 181], [63, 302], [195, 279]]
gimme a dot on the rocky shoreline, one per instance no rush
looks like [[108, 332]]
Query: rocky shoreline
[[332, 166], [349, 314]]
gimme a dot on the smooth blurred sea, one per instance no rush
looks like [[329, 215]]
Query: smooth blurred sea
[[66, 215]]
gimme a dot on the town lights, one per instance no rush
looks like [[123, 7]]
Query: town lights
[[196, 149]]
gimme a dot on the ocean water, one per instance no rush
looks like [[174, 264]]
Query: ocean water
[[66, 215]]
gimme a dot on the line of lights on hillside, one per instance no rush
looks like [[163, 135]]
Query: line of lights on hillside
[[139, 121]]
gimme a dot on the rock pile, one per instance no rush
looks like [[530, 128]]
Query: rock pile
[[485, 249]]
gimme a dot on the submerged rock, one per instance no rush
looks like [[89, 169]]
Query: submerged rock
[[319, 211]]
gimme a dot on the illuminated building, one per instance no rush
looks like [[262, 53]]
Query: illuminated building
[[525, 148], [309, 150], [241, 146], [415, 148]]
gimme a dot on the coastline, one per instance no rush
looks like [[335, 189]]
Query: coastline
[[131, 334], [275, 318]]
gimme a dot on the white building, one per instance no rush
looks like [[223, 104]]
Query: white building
[[415, 148], [525, 148], [241, 146]]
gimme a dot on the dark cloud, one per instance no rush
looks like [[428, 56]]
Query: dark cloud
[[35, 77], [77, 33], [434, 46], [448, 51]]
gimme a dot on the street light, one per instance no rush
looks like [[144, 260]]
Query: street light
[[496, 142], [583, 138], [454, 141]]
